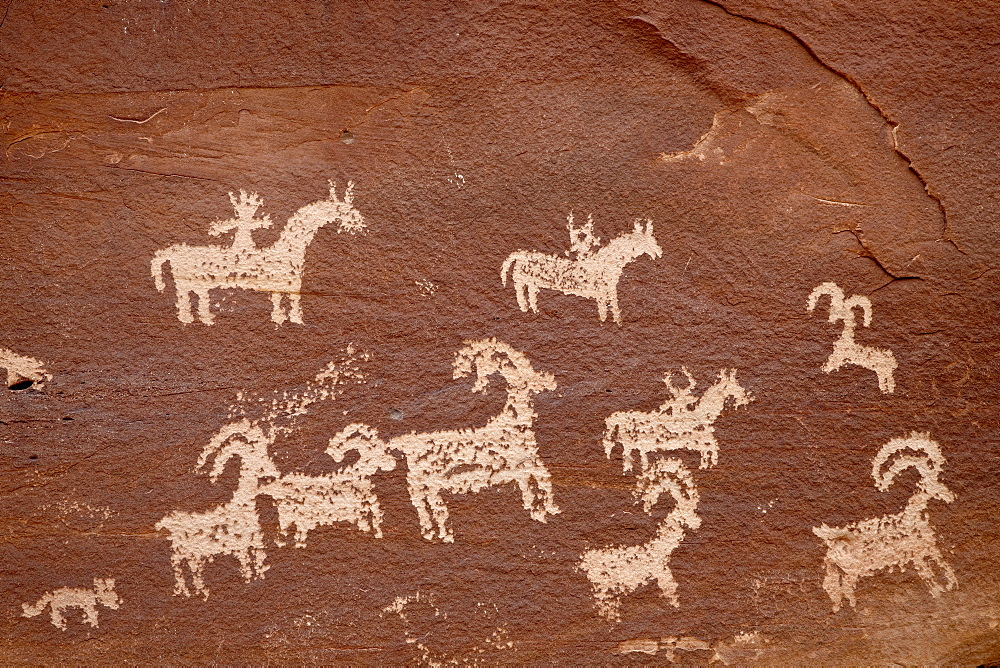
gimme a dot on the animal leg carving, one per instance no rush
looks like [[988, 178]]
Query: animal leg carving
[[277, 311], [295, 308], [204, 307]]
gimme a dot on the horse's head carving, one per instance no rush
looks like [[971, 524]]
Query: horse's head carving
[[643, 239], [350, 219]]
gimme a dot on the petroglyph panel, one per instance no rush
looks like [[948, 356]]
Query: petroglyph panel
[[262, 372]]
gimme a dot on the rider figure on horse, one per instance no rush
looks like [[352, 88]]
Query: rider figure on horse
[[244, 223]]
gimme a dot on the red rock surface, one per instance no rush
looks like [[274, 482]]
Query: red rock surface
[[774, 148]]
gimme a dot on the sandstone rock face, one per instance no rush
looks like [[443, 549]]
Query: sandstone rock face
[[631, 331]]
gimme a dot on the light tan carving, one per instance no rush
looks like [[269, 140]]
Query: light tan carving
[[21, 368], [345, 495], [593, 273], [464, 461], [277, 269], [617, 571], [845, 349], [233, 528], [682, 422], [424, 622], [87, 600], [895, 541]]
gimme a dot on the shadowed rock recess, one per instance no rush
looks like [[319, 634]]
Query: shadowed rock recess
[[441, 333]]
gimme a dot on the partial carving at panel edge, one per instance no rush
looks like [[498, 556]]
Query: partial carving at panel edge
[[58, 601], [277, 269], [591, 271], [845, 349], [684, 422], [22, 371], [905, 539]]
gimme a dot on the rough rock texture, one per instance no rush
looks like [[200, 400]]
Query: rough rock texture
[[774, 147]]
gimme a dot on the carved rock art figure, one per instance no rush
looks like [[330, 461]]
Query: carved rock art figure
[[905, 539], [347, 495], [276, 269], [845, 349], [617, 571], [22, 372], [233, 528], [87, 600], [593, 274], [683, 421], [468, 460]]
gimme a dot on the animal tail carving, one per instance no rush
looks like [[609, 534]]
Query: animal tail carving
[[156, 266], [507, 264]]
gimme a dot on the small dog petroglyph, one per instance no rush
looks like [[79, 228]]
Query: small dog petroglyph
[[87, 600]]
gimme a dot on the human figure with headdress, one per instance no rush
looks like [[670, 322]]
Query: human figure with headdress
[[582, 242], [244, 223]]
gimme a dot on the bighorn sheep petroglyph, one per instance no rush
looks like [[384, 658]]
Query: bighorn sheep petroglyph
[[683, 421], [864, 548], [464, 461], [276, 269], [346, 495], [615, 572], [22, 370], [845, 349], [593, 274], [87, 600], [232, 528]]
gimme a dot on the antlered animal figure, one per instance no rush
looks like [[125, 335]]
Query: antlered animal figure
[[345, 495], [683, 421], [468, 460], [592, 274], [845, 349], [276, 269], [87, 600], [898, 541]]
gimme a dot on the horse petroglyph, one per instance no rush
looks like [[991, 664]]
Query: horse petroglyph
[[590, 271], [845, 349], [682, 422], [864, 548], [22, 372], [276, 269], [87, 600], [305, 502]]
